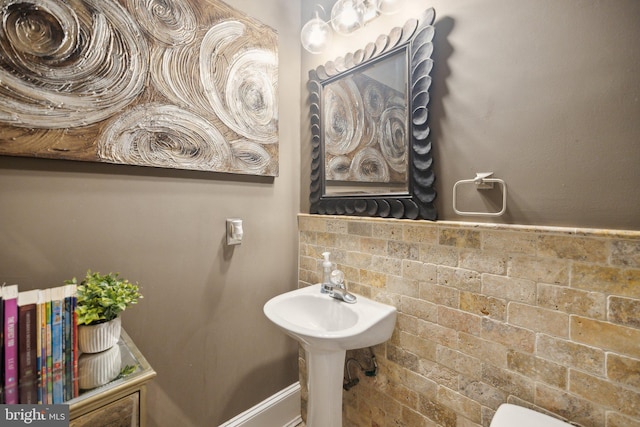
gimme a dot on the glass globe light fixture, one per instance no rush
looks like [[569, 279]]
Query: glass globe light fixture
[[388, 7], [316, 35], [347, 16]]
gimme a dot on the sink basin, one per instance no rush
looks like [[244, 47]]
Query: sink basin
[[326, 328], [321, 322]]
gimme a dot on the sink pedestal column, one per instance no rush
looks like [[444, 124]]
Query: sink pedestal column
[[325, 371]]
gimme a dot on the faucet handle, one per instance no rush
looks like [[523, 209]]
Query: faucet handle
[[337, 278]]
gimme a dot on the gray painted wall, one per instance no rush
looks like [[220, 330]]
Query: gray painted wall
[[200, 323], [544, 93]]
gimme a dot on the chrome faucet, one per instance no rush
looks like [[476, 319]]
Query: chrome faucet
[[337, 288]]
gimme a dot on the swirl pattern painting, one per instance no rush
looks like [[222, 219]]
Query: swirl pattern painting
[[182, 84]]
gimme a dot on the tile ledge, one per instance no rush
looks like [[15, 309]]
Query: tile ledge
[[593, 232]]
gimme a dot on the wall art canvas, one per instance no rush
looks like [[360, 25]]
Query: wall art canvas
[[183, 84]]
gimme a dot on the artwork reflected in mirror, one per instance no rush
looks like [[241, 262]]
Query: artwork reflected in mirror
[[371, 152], [365, 137]]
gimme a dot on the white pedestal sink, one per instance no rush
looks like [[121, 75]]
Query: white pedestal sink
[[326, 328]]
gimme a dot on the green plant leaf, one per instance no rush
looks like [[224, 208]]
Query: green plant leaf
[[102, 298]]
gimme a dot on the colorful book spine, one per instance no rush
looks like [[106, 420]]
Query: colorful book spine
[[2, 344], [57, 344], [69, 293], [48, 361], [10, 299], [27, 347], [41, 343], [76, 353]]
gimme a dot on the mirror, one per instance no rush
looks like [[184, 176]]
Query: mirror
[[365, 138], [371, 153]]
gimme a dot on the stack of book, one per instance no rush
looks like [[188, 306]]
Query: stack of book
[[38, 347]]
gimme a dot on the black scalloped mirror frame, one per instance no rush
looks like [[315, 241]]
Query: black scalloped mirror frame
[[416, 35]]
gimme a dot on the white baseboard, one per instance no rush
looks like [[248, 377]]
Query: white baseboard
[[280, 410]]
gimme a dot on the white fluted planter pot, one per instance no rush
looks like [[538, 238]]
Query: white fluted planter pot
[[100, 337], [99, 368]]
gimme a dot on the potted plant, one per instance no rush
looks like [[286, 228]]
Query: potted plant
[[101, 299]]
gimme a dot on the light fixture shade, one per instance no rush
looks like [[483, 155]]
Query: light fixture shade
[[389, 7], [316, 35], [347, 16]]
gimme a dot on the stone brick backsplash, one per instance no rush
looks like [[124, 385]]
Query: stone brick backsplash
[[543, 317]]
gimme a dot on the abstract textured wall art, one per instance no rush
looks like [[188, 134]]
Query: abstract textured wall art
[[183, 84]]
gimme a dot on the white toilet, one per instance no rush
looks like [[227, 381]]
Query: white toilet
[[509, 415]]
